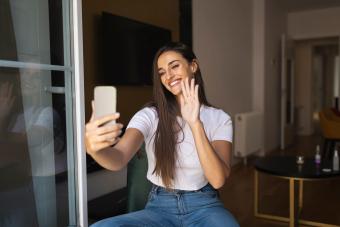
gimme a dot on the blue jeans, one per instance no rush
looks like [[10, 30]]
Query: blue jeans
[[177, 208]]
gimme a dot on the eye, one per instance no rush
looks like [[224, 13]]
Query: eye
[[161, 73], [175, 66]]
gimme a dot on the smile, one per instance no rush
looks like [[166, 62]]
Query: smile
[[175, 82]]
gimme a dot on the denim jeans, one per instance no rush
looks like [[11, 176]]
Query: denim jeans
[[177, 208]]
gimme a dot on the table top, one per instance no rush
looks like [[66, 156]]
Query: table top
[[286, 166]]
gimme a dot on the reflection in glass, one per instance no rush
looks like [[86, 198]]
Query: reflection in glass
[[33, 150], [34, 28], [33, 155]]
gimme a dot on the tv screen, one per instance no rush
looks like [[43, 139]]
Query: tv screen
[[128, 49]]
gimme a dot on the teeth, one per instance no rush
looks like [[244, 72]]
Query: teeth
[[174, 82]]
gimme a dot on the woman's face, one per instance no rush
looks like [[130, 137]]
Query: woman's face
[[172, 69]]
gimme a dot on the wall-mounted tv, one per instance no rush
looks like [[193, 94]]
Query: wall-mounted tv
[[128, 49]]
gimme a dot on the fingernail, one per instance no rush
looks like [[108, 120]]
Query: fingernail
[[117, 114]]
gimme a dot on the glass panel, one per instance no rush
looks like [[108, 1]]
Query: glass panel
[[32, 31], [34, 181]]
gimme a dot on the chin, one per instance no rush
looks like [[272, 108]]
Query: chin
[[176, 92]]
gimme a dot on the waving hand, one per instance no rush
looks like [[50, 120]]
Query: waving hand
[[189, 101]]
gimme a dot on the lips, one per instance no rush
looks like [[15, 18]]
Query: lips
[[174, 82]]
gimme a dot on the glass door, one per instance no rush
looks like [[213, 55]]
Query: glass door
[[42, 174]]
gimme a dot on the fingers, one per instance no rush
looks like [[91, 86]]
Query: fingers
[[192, 87], [101, 136], [189, 90], [95, 143], [109, 129], [106, 119], [181, 100], [108, 137], [196, 91], [184, 88]]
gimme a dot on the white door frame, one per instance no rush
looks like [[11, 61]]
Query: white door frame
[[79, 119]]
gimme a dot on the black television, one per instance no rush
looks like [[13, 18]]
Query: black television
[[128, 49]]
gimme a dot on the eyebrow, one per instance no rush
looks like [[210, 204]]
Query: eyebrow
[[169, 63]]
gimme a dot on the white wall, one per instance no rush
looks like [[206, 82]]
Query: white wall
[[259, 32], [222, 39], [238, 46], [276, 24], [314, 23]]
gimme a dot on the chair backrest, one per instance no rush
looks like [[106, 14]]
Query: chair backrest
[[138, 185], [323, 123], [330, 129], [330, 114]]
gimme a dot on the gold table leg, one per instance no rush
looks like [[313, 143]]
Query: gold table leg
[[300, 195], [291, 203], [292, 217]]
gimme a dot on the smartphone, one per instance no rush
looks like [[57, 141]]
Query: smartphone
[[105, 100]]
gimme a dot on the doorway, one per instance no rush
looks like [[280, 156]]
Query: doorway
[[316, 81]]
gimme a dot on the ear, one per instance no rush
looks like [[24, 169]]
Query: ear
[[194, 66]]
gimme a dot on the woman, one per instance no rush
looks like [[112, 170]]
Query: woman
[[188, 145]]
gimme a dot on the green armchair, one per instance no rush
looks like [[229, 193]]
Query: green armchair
[[138, 185]]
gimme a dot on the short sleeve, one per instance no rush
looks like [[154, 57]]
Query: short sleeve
[[45, 118], [223, 127], [143, 121]]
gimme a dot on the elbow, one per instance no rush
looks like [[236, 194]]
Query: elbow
[[115, 168], [218, 183]]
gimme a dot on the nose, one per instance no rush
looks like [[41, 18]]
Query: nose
[[169, 74]]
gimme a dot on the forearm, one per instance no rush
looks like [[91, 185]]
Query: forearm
[[110, 158], [214, 168]]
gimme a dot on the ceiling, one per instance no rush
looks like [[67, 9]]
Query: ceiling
[[301, 5]]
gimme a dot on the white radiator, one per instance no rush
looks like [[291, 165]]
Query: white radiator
[[248, 134]]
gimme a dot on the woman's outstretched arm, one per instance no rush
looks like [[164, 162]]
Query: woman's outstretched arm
[[99, 139]]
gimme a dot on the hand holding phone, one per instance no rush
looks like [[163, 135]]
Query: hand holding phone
[[105, 100]]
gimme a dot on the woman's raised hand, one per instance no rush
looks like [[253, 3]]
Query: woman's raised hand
[[189, 101], [99, 135]]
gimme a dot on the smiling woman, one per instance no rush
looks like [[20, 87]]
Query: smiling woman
[[173, 69], [187, 142]]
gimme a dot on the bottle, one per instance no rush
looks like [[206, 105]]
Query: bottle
[[336, 161], [317, 155]]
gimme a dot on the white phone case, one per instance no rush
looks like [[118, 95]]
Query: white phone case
[[105, 100]]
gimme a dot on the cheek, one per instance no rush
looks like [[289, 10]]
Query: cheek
[[163, 80]]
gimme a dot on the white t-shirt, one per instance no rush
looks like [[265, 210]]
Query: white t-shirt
[[189, 174], [40, 147]]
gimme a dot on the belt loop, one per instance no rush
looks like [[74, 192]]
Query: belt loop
[[155, 188]]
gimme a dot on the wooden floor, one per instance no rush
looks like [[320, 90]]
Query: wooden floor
[[321, 198]]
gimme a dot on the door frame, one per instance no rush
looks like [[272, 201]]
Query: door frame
[[79, 120]]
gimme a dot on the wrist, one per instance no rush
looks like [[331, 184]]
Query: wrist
[[196, 124]]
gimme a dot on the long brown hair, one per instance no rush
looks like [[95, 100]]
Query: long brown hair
[[166, 136]]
